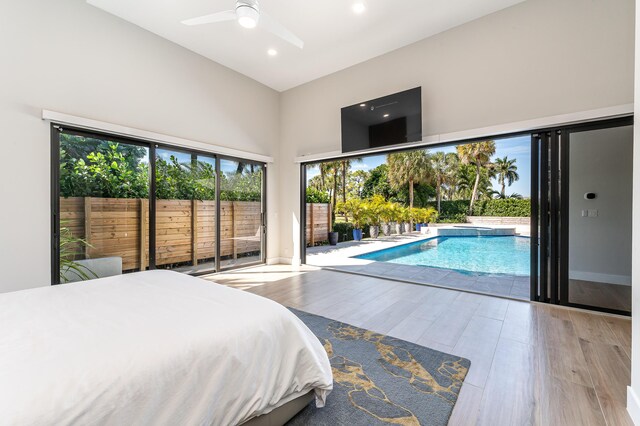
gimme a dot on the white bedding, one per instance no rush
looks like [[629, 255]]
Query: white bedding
[[157, 348]]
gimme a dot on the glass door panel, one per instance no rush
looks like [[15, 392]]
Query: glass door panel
[[241, 213], [599, 197], [103, 226], [185, 219]]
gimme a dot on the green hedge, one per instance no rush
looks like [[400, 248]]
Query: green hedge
[[508, 207], [456, 210], [451, 209]]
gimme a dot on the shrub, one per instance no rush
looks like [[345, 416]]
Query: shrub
[[455, 211], [508, 207], [452, 210], [355, 209], [316, 196]]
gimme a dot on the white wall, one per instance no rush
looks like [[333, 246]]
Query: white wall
[[633, 392], [536, 59], [600, 247], [70, 57]]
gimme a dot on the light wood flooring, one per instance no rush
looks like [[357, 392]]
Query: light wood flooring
[[605, 295], [531, 364]]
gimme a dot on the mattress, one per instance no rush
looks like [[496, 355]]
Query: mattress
[[155, 347]]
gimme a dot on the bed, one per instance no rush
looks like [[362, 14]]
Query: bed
[[155, 347]]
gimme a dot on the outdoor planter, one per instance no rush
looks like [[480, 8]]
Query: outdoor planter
[[398, 228], [407, 227], [374, 231], [418, 227], [386, 229], [357, 234], [333, 238]]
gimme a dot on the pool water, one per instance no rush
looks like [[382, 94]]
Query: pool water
[[487, 254]]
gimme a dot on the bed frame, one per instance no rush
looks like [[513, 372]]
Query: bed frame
[[282, 414]]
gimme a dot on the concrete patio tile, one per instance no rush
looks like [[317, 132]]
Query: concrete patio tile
[[455, 283], [502, 288], [520, 290]]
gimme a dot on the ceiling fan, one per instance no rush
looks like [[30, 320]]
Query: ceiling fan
[[249, 15]]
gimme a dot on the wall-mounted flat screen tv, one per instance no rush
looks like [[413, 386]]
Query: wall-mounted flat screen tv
[[390, 120]]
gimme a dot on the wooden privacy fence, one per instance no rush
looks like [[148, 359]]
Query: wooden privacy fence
[[318, 222], [185, 229]]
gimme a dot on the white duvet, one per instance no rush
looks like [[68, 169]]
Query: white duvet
[[151, 348]]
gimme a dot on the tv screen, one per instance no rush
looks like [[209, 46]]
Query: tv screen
[[390, 120]]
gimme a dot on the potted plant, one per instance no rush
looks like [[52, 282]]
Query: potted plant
[[429, 215], [333, 237], [397, 217], [373, 210], [405, 218], [416, 216], [386, 217], [354, 208]]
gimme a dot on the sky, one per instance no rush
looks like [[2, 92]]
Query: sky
[[518, 148], [227, 166]]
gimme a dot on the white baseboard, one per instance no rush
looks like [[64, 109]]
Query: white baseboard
[[633, 405], [283, 261], [600, 278]]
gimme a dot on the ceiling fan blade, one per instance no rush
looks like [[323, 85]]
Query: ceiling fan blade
[[276, 28], [227, 15]]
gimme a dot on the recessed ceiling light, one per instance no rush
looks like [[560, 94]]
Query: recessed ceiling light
[[363, 105], [386, 115], [272, 52], [358, 8]]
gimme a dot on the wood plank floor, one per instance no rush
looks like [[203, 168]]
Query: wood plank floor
[[531, 364]]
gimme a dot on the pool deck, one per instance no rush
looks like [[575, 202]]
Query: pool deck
[[341, 257]]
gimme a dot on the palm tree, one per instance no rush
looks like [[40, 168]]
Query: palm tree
[[479, 154], [507, 172], [408, 168], [325, 169], [345, 166], [443, 167]]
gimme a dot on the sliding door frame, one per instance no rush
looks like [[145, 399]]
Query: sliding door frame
[[263, 213], [152, 147], [553, 260], [549, 230]]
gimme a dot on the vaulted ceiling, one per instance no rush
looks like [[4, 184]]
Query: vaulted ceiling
[[335, 36]]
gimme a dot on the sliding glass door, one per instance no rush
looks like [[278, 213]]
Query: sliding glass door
[[121, 206], [185, 211], [103, 207], [583, 216], [241, 213], [598, 200]]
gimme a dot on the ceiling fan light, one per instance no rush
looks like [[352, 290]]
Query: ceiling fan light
[[247, 16]]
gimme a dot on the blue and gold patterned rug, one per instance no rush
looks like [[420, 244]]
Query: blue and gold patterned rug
[[380, 380]]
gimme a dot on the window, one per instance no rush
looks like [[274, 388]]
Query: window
[[122, 206]]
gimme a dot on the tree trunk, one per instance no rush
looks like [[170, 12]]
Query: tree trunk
[[502, 192], [438, 194], [411, 200], [410, 193], [474, 194], [334, 196], [344, 186]]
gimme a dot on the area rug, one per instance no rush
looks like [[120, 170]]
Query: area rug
[[380, 380]]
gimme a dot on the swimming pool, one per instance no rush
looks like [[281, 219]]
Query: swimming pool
[[484, 254]]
